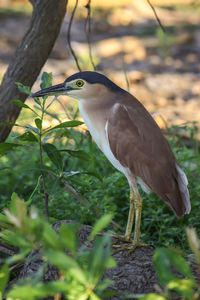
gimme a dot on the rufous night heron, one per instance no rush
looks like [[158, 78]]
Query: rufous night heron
[[130, 139]]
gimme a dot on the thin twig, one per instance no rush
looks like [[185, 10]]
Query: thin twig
[[63, 107], [157, 18], [46, 196], [72, 191], [69, 36], [125, 75], [88, 32]]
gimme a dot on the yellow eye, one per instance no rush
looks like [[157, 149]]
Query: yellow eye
[[79, 83]]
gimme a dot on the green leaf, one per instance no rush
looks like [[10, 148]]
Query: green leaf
[[20, 104], [34, 129], [68, 237], [152, 296], [38, 123], [108, 293], [66, 263], [12, 206], [184, 287], [101, 289], [5, 147], [23, 88], [100, 259], [28, 292], [17, 240], [10, 124], [46, 80], [28, 136], [93, 296], [19, 216], [37, 291], [164, 258], [50, 238], [73, 123], [51, 115], [72, 173], [100, 225], [62, 132], [77, 153], [41, 168], [162, 266], [54, 155], [37, 100], [29, 201], [4, 276], [3, 219]]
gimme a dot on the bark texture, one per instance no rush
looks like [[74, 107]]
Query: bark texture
[[30, 57]]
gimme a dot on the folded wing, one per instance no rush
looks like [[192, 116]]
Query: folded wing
[[138, 143]]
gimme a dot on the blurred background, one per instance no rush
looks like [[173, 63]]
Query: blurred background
[[163, 70]]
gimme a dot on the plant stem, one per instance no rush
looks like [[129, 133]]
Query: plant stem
[[46, 196], [72, 191]]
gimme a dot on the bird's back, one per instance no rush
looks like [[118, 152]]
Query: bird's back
[[139, 145]]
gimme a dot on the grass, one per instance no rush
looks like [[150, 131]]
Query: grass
[[108, 195], [16, 10]]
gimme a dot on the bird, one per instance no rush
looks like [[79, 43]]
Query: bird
[[131, 140]]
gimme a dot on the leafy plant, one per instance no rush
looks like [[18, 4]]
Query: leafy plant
[[185, 285], [83, 197], [80, 270], [40, 135]]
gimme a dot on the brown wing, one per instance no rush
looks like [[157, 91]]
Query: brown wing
[[137, 142]]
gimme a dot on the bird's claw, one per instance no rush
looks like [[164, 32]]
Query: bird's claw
[[128, 244]]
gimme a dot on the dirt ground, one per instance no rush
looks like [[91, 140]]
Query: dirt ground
[[163, 70]]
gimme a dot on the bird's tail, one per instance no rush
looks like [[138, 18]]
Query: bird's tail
[[182, 183], [178, 199]]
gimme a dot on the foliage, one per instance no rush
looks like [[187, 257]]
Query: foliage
[[80, 270], [37, 134], [106, 191], [185, 285]]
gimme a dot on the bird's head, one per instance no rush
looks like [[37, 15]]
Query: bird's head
[[82, 86]]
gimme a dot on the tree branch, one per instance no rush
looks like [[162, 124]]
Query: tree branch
[[69, 36], [157, 18], [88, 32], [30, 57]]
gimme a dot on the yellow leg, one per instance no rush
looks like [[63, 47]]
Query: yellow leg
[[129, 225], [134, 210], [138, 212]]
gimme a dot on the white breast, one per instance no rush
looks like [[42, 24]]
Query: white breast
[[98, 131]]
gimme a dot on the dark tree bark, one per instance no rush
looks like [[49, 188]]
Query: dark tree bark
[[30, 57]]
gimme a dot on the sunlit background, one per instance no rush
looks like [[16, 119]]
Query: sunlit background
[[163, 70]]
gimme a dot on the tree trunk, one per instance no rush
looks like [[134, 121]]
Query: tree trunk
[[30, 57]]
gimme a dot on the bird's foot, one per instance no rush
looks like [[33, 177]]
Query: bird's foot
[[128, 244]]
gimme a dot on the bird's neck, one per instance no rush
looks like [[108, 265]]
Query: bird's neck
[[95, 116]]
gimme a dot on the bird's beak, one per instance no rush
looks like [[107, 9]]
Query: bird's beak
[[58, 89]]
